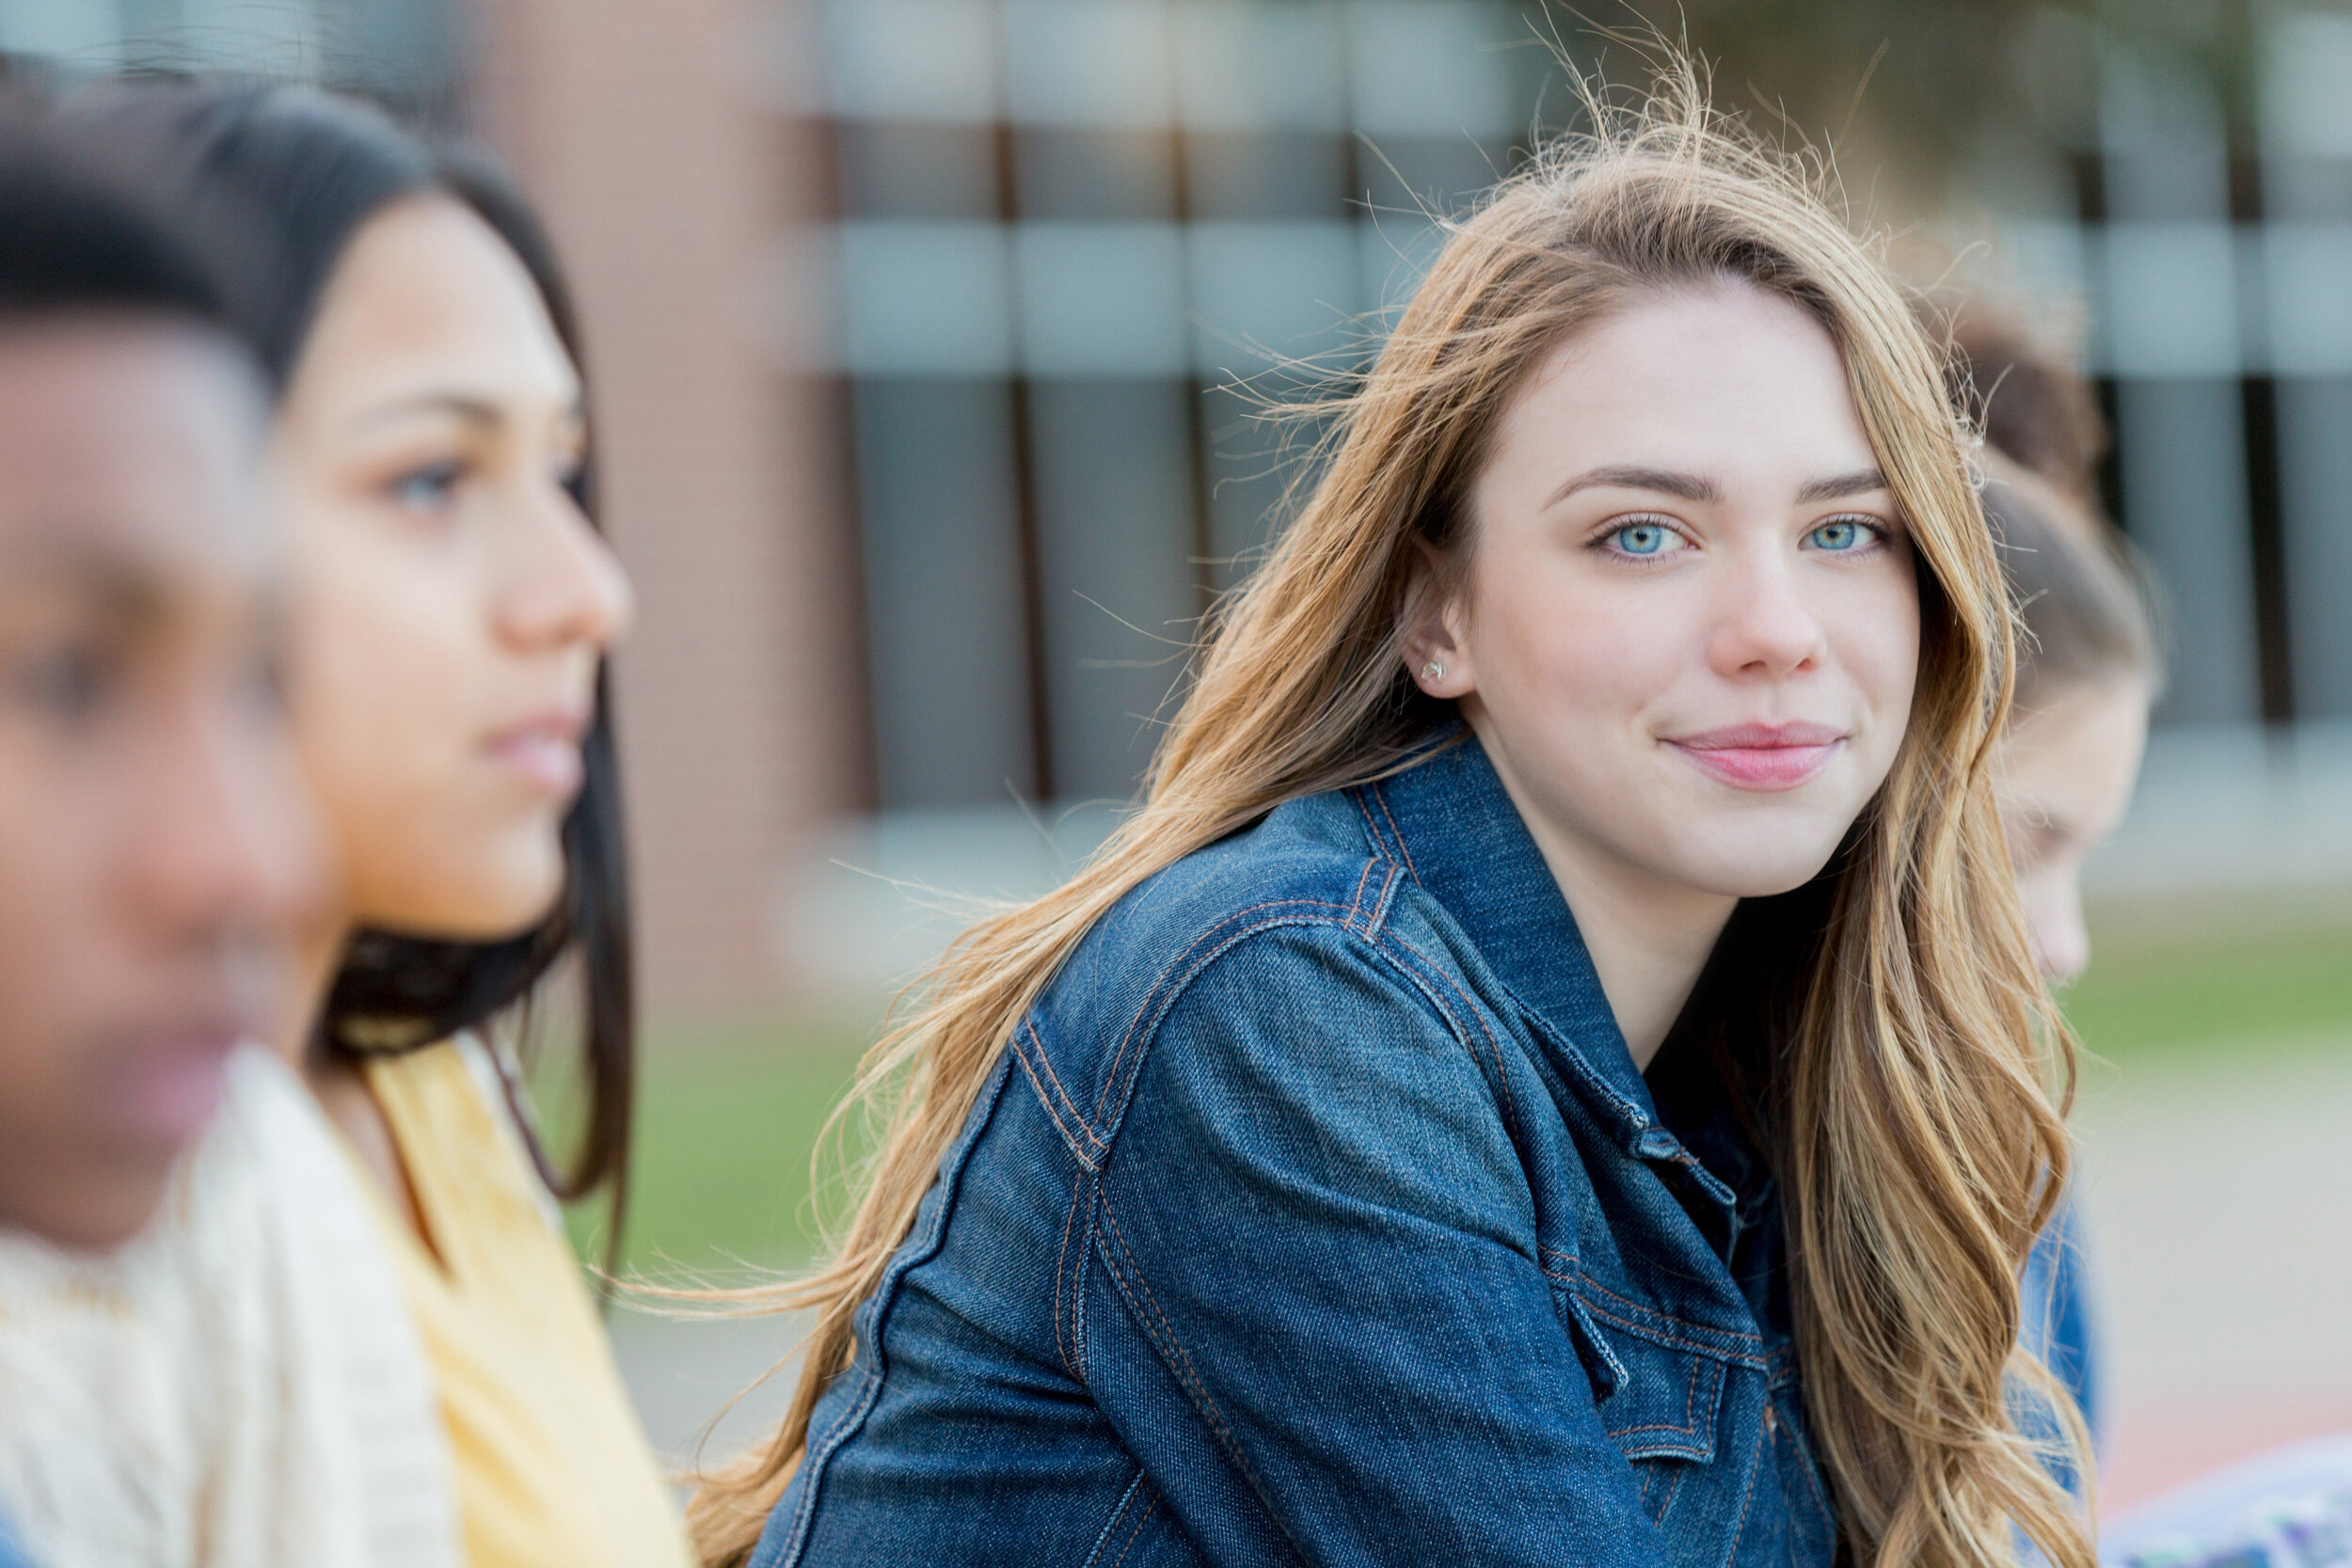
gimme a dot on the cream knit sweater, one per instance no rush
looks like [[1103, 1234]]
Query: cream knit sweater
[[239, 1388]]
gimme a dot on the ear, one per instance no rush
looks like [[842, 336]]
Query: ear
[[1432, 631]]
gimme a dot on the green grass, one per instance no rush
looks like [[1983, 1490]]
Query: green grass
[[2230, 981], [729, 1116], [727, 1121]]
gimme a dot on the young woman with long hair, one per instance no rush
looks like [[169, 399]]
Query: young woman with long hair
[[1554, 1069], [452, 606]]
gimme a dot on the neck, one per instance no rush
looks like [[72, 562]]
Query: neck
[[1648, 936], [317, 956]]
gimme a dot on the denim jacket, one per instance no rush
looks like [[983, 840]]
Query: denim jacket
[[1317, 1214]]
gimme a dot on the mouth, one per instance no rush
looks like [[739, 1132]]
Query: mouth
[[173, 1076], [543, 750], [1761, 758]]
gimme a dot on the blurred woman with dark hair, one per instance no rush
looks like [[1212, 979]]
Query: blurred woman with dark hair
[[453, 606]]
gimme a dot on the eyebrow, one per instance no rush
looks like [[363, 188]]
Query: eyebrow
[[1698, 488], [1689, 487], [472, 411], [1863, 481]]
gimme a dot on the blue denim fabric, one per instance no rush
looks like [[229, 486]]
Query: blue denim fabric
[[11, 1555], [2058, 1322], [1318, 1215]]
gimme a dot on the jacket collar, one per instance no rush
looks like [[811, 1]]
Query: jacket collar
[[1452, 823]]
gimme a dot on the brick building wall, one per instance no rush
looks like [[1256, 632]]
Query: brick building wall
[[646, 135]]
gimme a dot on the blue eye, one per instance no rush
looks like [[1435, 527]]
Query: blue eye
[[1641, 538], [1844, 535], [428, 489]]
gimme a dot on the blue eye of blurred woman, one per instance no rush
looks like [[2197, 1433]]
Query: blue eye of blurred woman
[[1842, 536], [427, 488]]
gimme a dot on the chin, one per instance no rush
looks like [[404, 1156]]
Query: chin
[[1751, 866], [104, 1211], [489, 909], [516, 884]]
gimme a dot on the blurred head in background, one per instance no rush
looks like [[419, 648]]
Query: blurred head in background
[[453, 600], [2088, 672], [156, 845], [2089, 667]]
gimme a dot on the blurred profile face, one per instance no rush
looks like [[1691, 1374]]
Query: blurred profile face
[[451, 601], [1690, 628], [2062, 778], [156, 845]]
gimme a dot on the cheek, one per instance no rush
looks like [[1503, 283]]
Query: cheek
[[68, 953], [1547, 638], [380, 674], [1876, 633]]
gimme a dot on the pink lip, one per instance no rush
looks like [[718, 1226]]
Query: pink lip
[[171, 1081], [543, 750], [1760, 756]]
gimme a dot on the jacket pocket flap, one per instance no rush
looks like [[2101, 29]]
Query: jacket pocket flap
[[1667, 1404]]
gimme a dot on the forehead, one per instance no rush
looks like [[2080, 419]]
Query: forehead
[[428, 299], [1669, 375], [134, 436]]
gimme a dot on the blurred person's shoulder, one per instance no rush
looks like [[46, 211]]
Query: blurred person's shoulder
[[244, 1370]]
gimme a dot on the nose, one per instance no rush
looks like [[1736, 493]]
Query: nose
[[1763, 626], [565, 587], [228, 847], [2054, 916]]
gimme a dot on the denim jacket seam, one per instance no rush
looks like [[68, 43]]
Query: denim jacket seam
[[1503, 1082], [1066, 1324], [1090, 1156], [1395, 834], [818, 1458], [1587, 1075], [1165, 990], [1356, 905], [1618, 1375], [876, 1311], [1747, 1497], [1162, 1335], [1136, 1534], [1629, 1304], [1111, 1526], [1645, 1322], [1662, 1337], [1119, 1077], [1382, 901], [1690, 1427]]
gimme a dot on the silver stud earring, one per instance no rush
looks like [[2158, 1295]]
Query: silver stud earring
[[1433, 671]]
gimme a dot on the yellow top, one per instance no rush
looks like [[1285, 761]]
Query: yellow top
[[551, 1466]]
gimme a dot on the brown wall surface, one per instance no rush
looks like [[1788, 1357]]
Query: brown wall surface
[[638, 126]]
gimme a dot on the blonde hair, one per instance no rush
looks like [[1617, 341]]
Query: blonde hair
[[1914, 1123]]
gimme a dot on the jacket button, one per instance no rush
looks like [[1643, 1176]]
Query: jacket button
[[1771, 1421]]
